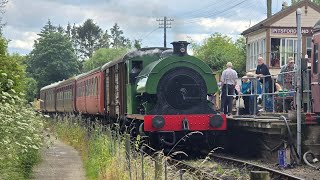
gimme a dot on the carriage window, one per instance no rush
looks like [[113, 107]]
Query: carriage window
[[83, 88], [96, 85], [87, 87], [315, 59], [91, 85], [135, 70]]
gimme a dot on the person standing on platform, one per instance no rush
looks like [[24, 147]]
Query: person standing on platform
[[264, 75], [245, 90], [228, 82], [286, 76]]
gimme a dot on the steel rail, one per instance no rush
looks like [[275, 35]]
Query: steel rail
[[274, 174]]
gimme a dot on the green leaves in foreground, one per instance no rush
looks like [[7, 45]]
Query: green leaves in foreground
[[21, 137]]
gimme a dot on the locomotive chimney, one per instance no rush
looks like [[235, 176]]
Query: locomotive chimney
[[180, 48]]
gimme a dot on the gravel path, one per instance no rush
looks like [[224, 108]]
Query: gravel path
[[59, 162]]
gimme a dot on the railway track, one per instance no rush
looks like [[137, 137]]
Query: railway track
[[274, 174]]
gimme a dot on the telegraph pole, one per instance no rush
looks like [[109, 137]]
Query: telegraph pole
[[269, 8], [165, 23], [298, 75]]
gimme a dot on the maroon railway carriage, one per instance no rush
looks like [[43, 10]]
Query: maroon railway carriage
[[65, 101], [48, 98], [90, 92]]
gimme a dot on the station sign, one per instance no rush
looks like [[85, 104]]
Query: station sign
[[290, 31]]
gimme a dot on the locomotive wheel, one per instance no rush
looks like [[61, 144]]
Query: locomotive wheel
[[182, 91]]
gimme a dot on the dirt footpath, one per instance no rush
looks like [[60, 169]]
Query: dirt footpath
[[59, 162]]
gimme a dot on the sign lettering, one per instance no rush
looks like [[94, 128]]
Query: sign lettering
[[290, 31]]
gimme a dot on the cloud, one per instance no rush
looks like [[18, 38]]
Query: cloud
[[137, 19], [25, 42], [191, 37], [228, 25]]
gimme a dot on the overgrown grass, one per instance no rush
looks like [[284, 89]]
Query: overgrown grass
[[20, 137], [104, 155]]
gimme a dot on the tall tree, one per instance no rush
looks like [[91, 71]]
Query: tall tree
[[88, 38], [137, 44], [52, 59], [219, 49], [104, 41], [47, 29], [117, 38], [102, 56], [2, 6]]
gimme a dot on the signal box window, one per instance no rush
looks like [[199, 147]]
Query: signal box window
[[309, 46], [135, 70], [315, 59]]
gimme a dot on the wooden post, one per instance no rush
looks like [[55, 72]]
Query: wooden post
[[127, 146], [259, 175], [158, 167]]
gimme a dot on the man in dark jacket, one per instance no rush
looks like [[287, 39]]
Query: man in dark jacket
[[263, 73]]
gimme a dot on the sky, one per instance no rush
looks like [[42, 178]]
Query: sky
[[192, 20]]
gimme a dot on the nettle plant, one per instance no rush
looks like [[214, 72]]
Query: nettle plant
[[20, 132]]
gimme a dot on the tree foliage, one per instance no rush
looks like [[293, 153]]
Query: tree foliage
[[88, 38], [11, 69], [296, 1], [137, 44], [102, 56], [3, 3], [52, 59], [219, 49], [20, 129], [117, 38]]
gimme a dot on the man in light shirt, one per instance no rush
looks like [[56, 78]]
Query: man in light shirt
[[228, 80]]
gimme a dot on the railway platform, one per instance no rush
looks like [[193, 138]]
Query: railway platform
[[273, 129], [267, 124]]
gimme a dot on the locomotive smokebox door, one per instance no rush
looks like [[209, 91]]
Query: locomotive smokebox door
[[180, 48]]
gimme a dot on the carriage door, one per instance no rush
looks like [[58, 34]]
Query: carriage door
[[111, 88], [117, 89], [315, 79], [106, 92], [122, 89]]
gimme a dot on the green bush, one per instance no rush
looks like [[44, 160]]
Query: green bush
[[20, 135]]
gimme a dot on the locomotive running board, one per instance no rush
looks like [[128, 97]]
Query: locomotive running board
[[135, 116]]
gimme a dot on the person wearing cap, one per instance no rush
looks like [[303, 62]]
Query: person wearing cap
[[228, 82], [286, 76], [252, 87]]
